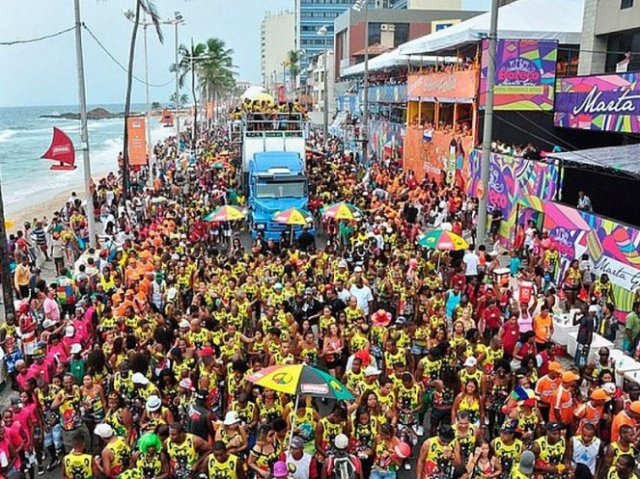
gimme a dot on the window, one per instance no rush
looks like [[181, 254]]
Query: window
[[626, 4]]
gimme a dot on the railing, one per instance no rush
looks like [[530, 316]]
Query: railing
[[267, 121]]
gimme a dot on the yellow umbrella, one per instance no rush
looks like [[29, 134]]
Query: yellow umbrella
[[226, 213], [293, 216], [8, 224]]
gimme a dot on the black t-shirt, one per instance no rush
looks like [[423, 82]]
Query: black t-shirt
[[585, 329]]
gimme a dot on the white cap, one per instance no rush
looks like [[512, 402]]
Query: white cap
[[76, 348], [609, 388], [357, 269], [186, 383], [103, 430], [47, 323], [231, 418], [341, 441], [69, 331], [183, 324], [471, 362], [371, 371], [153, 403], [342, 263], [139, 378]]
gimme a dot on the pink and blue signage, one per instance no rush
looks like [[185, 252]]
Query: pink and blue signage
[[600, 103]]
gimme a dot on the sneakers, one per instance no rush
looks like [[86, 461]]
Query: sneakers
[[420, 431], [40, 470], [53, 464]]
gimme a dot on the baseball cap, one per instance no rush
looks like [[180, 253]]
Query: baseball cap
[[554, 426], [47, 323], [139, 378], [555, 367], [527, 461], [297, 442], [183, 324], [69, 331], [103, 430], [600, 395], [280, 469], [206, 352], [635, 407], [470, 362], [357, 269], [371, 371], [76, 348], [231, 418], [341, 441], [186, 383], [570, 376]]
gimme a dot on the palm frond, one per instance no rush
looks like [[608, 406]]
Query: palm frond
[[150, 9]]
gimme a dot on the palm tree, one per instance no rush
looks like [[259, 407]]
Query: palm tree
[[188, 61], [293, 62], [215, 72], [149, 8]]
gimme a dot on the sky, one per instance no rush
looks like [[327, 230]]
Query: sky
[[44, 73]]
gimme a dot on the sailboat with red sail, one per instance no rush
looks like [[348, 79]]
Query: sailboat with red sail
[[62, 151], [167, 118]]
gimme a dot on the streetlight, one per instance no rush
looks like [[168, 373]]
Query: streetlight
[[324, 31], [363, 5], [177, 19], [130, 15]]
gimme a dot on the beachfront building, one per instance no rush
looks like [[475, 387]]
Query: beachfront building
[[276, 40]]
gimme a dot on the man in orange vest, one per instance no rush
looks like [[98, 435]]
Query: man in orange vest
[[629, 417], [592, 411], [564, 400], [546, 387]]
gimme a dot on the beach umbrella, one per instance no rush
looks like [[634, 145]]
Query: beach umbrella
[[8, 224], [443, 240], [226, 213], [292, 217], [300, 379], [342, 211]]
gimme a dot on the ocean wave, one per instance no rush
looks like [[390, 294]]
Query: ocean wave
[[5, 135]]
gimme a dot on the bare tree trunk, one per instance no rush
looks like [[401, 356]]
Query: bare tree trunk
[[127, 105], [5, 264]]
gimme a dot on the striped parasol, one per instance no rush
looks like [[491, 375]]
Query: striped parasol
[[342, 211]]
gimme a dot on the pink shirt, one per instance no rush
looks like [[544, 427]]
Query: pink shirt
[[23, 378], [26, 417], [51, 309]]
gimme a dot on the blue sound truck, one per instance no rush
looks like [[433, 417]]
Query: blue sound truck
[[276, 182]]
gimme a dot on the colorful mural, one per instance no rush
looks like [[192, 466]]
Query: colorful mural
[[437, 153], [385, 137], [612, 247], [600, 102], [510, 180], [525, 74]]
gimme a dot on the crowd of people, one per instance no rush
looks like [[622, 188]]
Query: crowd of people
[[133, 362]]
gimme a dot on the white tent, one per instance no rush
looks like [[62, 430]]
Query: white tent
[[395, 59], [559, 20]]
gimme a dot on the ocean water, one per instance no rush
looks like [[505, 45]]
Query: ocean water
[[24, 137]]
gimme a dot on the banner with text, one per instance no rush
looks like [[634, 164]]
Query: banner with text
[[612, 247], [525, 74], [454, 86], [600, 102], [137, 143]]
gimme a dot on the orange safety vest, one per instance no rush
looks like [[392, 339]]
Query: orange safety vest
[[563, 401]]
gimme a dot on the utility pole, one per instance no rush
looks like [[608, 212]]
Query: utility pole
[[324, 31], [177, 118], [146, 81], [365, 110], [488, 125], [84, 133]]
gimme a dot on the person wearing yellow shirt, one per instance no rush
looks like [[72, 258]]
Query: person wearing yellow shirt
[[21, 278]]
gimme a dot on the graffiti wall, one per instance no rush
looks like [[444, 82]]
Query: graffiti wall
[[510, 180], [612, 247], [436, 154]]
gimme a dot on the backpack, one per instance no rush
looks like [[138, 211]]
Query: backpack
[[342, 467]]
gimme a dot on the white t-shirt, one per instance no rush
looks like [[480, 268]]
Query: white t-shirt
[[363, 296], [471, 262]]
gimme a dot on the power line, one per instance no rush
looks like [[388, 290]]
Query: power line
[[122, 67], [37, 39]]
